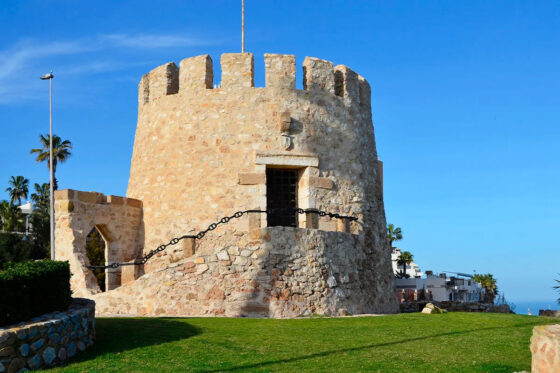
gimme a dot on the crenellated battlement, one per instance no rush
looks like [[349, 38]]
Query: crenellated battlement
[[196, 73]]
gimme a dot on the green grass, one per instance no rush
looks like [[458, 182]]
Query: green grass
[[453, 342]]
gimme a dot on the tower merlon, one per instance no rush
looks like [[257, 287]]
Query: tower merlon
[[238, 70], [161, 81], [280, 70], [346, 84], [196, 73], [318, 75], [365, 92]]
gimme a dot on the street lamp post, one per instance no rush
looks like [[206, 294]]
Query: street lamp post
[[50, 77]]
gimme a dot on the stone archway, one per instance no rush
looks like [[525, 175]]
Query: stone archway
[[95, 252]]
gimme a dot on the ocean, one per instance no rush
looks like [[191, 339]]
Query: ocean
[[522, 308]]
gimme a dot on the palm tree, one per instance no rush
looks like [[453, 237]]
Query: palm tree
[[404, 260], [393, 234], [489, 283], [41, 195], [10, 217], [61, 152], [18, 189]]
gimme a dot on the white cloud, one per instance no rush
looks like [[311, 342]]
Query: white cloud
[[146, 41], [20, 61]]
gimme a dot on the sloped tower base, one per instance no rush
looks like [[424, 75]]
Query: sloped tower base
[[285, 272]]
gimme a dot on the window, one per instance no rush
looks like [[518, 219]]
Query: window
[[281, 196]]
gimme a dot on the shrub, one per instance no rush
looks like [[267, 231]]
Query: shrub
[[14, 249], [31, 289]]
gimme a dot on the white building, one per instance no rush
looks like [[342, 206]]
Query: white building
[[440, 288], [412, 269]]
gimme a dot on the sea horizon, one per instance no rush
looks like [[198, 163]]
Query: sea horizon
[[523, 307]]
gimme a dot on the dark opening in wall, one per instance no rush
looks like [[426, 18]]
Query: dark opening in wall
[[95, 251], [338, 83], [281, 196]]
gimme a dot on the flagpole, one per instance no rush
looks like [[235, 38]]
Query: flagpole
[[242, 26]]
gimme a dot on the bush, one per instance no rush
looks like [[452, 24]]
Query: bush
[[31, 289], [14, 249]]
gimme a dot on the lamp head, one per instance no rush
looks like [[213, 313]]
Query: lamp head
[[47, 76]]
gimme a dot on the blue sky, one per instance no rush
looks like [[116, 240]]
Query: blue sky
[[466, 106]]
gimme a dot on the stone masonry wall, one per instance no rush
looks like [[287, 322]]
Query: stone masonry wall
[[282, 272], [545, 346], [118, 220], [49, 339], [202, 153]]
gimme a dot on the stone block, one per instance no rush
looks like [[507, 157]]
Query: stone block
[[252, 178], [286, 159], [545, 347], [196, 73], [89, 197], [114, 200], [347, 84], [237, 70], [311, 220], [65, 206], [132, 202], [254, 221], [189, 247], [163, 81], [343, 225], [64, 194], [321, 182], [280, 70], [131, 273], [284, 120], [144, 90], [365, 93], [318, 75]]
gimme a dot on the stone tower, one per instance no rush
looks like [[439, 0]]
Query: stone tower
[[202, 152]]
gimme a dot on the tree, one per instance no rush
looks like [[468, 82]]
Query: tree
[[11, 218], [95, 251], [489, 283], [61, 152], [41, 196], [18, 189], [404, 260], [393, 234]]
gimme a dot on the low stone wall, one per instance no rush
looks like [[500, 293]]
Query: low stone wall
[[49, 339], [545, 346]]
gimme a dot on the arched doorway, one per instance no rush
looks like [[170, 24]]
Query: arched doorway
[[95, 251]]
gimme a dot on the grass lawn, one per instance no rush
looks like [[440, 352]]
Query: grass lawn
[[453, 342]]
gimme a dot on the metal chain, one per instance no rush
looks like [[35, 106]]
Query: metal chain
[[213, 226]]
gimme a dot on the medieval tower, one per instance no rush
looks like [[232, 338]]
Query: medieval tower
[[300, 169]]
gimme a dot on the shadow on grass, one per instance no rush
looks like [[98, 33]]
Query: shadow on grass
[[122, 334], [373, 345]]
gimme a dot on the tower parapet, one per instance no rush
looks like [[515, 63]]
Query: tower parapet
[[196, 73]]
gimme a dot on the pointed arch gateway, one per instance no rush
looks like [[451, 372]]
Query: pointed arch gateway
[[99, 242]]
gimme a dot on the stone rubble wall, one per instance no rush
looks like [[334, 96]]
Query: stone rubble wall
[[545, 347], [49, 339], [118, 220], [282, 272]]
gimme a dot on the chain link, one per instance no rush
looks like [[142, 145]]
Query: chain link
[[211, 227]]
